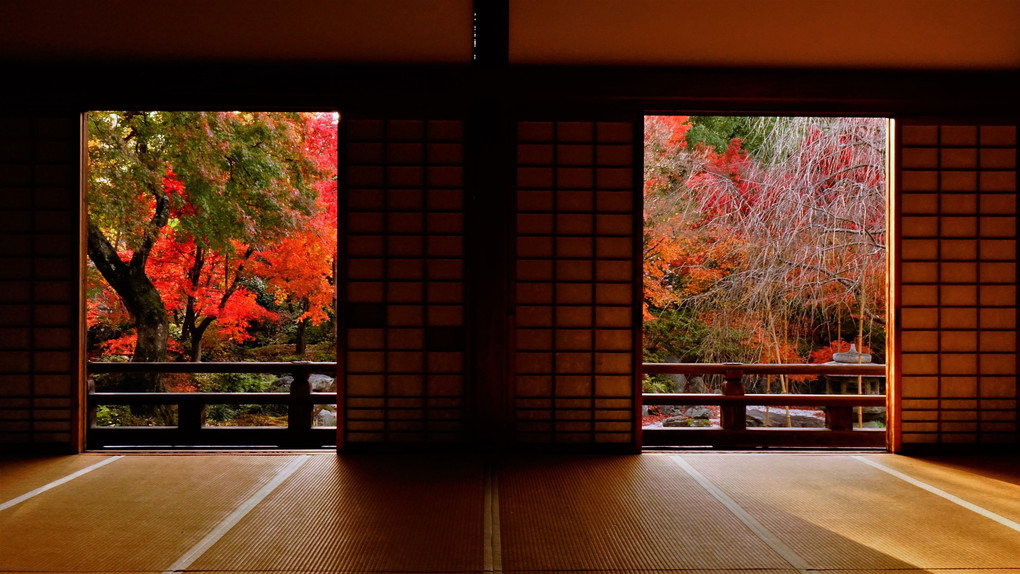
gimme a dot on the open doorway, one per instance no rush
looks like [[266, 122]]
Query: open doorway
[[765, 244], [210, 284]]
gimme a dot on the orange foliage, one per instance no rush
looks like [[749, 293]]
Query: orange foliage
[[300, 267]]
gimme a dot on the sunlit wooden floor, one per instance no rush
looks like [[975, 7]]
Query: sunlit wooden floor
[[657, 512]]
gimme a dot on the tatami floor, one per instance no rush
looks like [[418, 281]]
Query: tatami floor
[[657, 512]]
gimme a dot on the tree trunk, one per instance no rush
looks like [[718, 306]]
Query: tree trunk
[[190, 315], [301, 343], [142, 301], [192, 329], [197, 332]]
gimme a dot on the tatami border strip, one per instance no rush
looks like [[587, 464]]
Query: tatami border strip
[[18, 500], [763, 533], [230, 521], [939, 492], [492, 560]]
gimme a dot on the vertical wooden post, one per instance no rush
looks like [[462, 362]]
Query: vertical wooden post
[[90, 389], [190, 420], [839, 418], [299, 409], [733, 417]]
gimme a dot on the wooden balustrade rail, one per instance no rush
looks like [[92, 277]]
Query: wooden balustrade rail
[[733, 403], [864, 369], [191, 429], [299, 432]]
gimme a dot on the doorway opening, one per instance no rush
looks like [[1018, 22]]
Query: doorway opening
[[210, 283], [765, 284]]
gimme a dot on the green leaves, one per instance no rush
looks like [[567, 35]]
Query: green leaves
[[243, 175]]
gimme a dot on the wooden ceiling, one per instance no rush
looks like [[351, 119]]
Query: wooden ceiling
[[861, 34]]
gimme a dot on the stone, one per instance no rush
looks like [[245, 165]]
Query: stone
[[678, 382], [682, 421], [670, 410], [322, 383], [777, 418], [281, 385], [697, 413], [696, 385], [325, 418]]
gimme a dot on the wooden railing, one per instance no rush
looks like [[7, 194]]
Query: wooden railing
[[733, 403], [191, 429]]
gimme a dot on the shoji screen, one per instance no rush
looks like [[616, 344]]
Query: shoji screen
[[575, 289], [39, 330], [403, 284], [956, 212]]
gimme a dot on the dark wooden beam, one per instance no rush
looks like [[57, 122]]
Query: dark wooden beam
[[765, 437], [492, 33]]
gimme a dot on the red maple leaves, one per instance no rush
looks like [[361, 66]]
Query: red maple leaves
[[216, 289]]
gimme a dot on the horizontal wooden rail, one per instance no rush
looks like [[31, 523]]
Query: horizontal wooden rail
[[764, 400], [733, 403], [182, 367], [764, 437], [864, 369], [191, 429], [210, 398]]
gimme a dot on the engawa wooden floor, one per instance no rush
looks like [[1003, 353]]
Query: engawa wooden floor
[[680, 512]]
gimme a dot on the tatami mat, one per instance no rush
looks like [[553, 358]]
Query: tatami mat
[[137, 514], [990, 482], [839, 513], [706, 513], [393, 513], [615, 514], [22, 475], [658, 571], [932, 571]]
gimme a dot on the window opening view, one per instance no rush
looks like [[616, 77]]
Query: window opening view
[[211, 278], [764, 274]]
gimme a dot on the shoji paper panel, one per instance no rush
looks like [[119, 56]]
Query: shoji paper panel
[[574, 294], [403, 320], [39, 313], [956, 209]]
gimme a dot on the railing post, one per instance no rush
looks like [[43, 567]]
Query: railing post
[[190, 420], [90, 389], [733, 417], [839, 418], [299, 410], [90, 414]]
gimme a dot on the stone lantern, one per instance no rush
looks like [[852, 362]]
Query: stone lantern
[[847, 384]]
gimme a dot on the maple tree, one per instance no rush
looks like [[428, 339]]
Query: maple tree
[[766, 235], [178, 204], [301, 267]]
